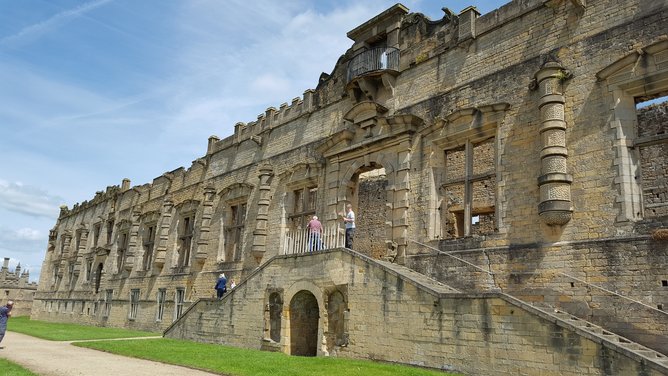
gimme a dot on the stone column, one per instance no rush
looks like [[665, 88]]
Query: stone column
[[260, 232], [555, 183], [205, 227]]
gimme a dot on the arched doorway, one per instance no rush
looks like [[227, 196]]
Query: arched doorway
[[304, 317]]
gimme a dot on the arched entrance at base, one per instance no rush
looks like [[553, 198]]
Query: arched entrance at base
[[304, 316]]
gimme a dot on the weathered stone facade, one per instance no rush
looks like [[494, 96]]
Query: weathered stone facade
[[16, 286], [501, 154]]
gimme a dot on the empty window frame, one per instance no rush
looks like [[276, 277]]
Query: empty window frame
[[235, 229], [149, 245], [470, 189], [185, 240], [123, 239], [179, 300], [134, 304], [303, 207], [161, 298]]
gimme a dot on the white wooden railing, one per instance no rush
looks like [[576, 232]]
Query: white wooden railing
[[300, 241]]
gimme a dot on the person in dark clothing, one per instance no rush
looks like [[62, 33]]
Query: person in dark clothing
[[221, 285], [5, 314]]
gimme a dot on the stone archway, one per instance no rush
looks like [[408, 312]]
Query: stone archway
[[304, 319]]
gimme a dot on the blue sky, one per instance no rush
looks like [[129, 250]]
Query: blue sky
[[92, 92]]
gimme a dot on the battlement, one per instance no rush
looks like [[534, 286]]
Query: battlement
[[271, 118]]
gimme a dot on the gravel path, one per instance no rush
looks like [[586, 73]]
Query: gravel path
[[52, 358]]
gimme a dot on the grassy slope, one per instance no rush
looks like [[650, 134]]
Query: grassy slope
[[69, 332], [244, 362]]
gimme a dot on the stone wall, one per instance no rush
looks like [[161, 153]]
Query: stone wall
[[597, 281], [391, 317]]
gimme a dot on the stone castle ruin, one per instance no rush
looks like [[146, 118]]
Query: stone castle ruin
[[511, 202], [16, 286]]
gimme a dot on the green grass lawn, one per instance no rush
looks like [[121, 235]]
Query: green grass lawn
[[12, 369], [69, 332], [234, 361]]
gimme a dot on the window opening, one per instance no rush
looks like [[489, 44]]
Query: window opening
[[303, 207], [162, 297], [178, 302], [185, 241], [110, 230], [149, 243], [134, 303], [122, 249], [235, 229], [470, 189], [96, 233]]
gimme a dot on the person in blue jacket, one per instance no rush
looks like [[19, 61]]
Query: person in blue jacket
[[221, 285]]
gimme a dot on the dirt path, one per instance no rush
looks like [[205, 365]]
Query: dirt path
[[51, 358]]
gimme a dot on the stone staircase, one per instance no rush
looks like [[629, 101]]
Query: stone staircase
[[597, 331]]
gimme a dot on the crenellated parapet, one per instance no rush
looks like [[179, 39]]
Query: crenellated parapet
[[270, 119]]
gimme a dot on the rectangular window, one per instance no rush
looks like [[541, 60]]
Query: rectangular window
[[162, 297], [134, 303], [179, 299], [89, 269], [185, 240], [107, 302], [96, 234], [303, 208], [77, 242], [470, 189], [95, 306], [122, 249], [149, 243], [234, 231], [110, 230], [71, 276]]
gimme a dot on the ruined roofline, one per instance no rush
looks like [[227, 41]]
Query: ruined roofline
[[299, 106], [114, 191], [272, 117]]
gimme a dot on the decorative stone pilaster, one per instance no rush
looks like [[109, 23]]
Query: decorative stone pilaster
[[555, 183], [165, 224], [400, 203], [205, 227], [83, 240], [260, 232], [134, 243]]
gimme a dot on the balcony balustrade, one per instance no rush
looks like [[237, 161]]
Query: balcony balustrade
[[373, 60]]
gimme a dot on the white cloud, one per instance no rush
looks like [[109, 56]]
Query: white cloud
[[35, 31], [28, 200], [29, 234]]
